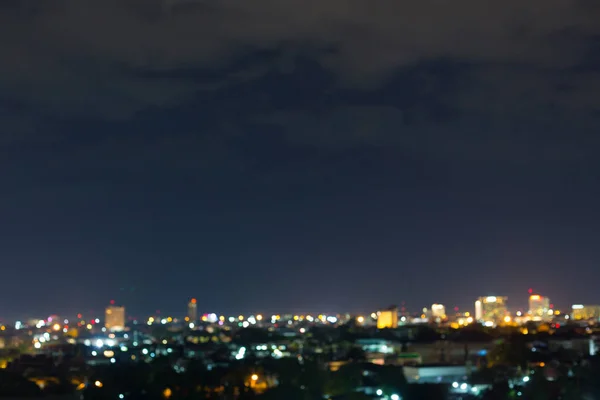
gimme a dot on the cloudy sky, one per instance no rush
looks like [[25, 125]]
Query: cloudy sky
[[297, 155]]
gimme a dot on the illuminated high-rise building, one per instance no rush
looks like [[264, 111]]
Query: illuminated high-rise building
[[114, 319], [491, 309], [438, 311], [192, 310], [387, 318], [478, 310], [585, 312], [539, 308]]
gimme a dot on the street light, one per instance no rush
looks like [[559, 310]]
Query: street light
[[395, 397]]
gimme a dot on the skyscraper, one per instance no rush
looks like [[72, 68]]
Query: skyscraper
[[192, 311], [539, 308], [491, 309], [114, 319]]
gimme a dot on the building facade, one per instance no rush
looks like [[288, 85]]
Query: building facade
[[582, 312], [539, 308], [387, 318], [114, 320], [491, 309], [192, 310]]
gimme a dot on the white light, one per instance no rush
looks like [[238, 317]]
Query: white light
[[192, 325], [454, 385], [474, 389], [525, 379], [395, 397], [463, 386], [489, 324], [94, 353], [245, 324], [110, 343], [332, 320], [37, 345], [97, 321], [577, 306], [121, 396], [144, 351], [18, 325], [99, 343], [163, 321], [112, 361], [124, 348], [379, 392], [491, 299]]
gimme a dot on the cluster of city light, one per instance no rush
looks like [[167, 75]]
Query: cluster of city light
[[393, 396], [464, 387]]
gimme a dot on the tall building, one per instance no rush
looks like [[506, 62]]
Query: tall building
[[539, 308], [438, 311], [114, 319], [192, 310], [491, 309], [585, 312], [387, 318]]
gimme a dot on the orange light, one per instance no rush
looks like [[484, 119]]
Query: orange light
[[193, 301], [535, 297], [542, 364]]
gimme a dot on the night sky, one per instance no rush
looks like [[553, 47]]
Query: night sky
[[297, 155]]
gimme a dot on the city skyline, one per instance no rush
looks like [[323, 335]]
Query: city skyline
[[436, 309], [301, 157]]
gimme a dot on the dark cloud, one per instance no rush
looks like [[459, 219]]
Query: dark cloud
[[66, 57]]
